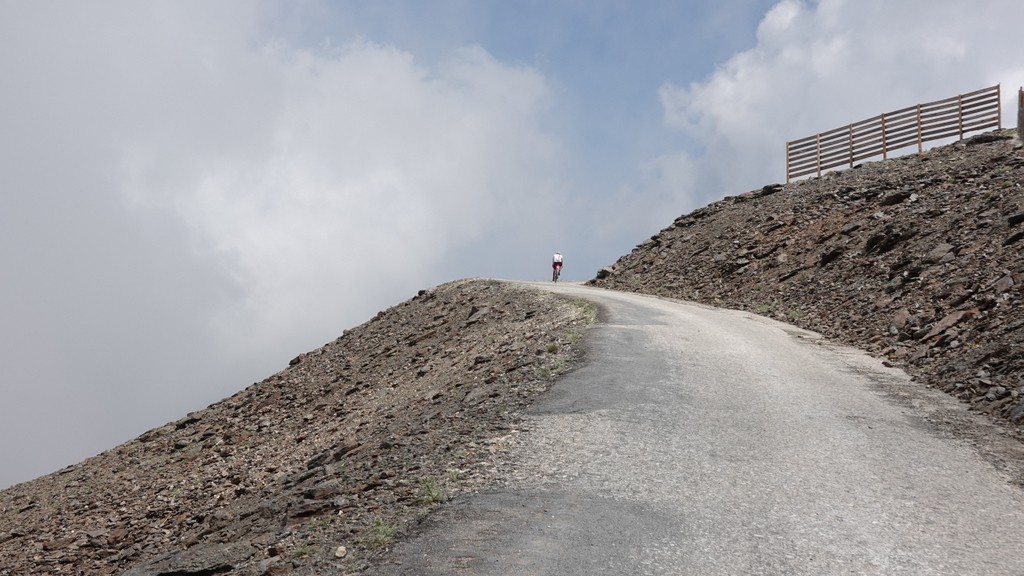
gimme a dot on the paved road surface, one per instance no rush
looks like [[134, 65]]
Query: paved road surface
[[701, 441]]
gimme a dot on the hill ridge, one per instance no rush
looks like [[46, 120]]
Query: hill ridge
[[316, 468], [916, 259]]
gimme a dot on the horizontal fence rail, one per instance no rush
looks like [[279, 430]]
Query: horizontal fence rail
[[956, 116]]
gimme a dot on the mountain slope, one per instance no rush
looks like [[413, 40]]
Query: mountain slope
[[312, 470], [918, 259]]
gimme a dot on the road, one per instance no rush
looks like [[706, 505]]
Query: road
[[702, 441]]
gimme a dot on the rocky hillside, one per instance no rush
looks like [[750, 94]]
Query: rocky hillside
[[918, 260], [315, 469]]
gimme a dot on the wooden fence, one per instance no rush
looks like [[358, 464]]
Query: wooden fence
[[956, 116]]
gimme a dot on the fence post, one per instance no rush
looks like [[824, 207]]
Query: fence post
[[817, 145], [788, 172], [920, 143], [1020, 114], [999, 106], [885, 144], [960, 113], [851, 145]]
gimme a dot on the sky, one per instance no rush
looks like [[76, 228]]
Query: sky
[[192, 193]]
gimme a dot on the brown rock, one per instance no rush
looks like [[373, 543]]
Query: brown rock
[[948, 322]]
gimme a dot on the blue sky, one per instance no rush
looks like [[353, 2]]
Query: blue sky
[[192, 193]]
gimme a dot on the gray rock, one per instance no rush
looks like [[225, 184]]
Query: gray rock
[[938, 253], [849, 228], [1004, 284]]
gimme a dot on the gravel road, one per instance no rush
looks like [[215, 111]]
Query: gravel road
[[702, 441]]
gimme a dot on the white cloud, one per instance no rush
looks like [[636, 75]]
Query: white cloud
[[648, 206], [191, 192], [187, 202], [820, 65], [372, 168]]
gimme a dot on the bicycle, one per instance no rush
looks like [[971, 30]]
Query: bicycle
[[556, 271]]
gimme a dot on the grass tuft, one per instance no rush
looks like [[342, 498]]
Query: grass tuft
[[382, 533], [431, 491]]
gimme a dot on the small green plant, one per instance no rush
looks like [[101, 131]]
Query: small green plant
[[553, 347], [588, 308], [382, 533], [431, 491], [553, 369], [456, 475], [763, 309], [303, 551]]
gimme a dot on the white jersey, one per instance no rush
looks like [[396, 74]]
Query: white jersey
[[557, 258]]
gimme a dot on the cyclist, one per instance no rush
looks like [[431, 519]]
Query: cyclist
[[556, 266]]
